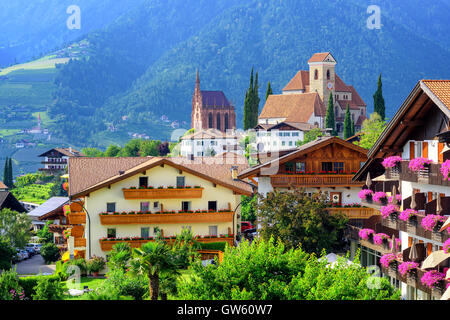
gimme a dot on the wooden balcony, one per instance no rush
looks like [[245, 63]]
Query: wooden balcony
[[355, 213], [182, 193], [79, 242], [107, 245], [431, 175], [77, 231], [76, 218], [320, 180], [160, 218]]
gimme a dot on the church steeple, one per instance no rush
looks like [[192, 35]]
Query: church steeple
[[197, 83]]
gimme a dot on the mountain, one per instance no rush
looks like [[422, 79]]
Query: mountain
[[141, 65]]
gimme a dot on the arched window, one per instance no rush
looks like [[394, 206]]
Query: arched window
[[210, 120], [218, 121], [328, 74], [316, 74], [226, 121]]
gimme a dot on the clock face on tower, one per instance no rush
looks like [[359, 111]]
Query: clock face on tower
[[329, 85]]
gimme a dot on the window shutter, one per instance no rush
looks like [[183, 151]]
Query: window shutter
[[440, 155], [429, 249], [425, 149], [412, 153]]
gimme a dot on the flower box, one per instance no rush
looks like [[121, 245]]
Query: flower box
[[411, 226], [164, 193], [411, 279], [76, 218], [392, 222], [437, 236]]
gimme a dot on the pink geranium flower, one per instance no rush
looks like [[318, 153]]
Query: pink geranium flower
[[432, 277], [386, 211], [387, 259], [431, 220], [365, 194], [419, 163], [406, 267], [406, 214], [391, 162], [364, 233], [445, 169], [379, 196], [447, 246], [379, 237]]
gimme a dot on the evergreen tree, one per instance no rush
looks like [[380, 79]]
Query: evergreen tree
[[329, 119], [248, 105], [353, 128], [255, 103], [347, 123], [378, 100], [10, 174], [5, 172], [268, 91]]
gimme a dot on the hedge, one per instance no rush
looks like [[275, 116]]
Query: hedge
[[213, 245], [29, 283]]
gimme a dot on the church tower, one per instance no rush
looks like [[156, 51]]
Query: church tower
[[322, 75], [196, 115]]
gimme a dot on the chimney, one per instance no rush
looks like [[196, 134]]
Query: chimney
[[234, 172]]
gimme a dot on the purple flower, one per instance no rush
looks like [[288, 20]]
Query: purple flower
[[432, 277], [379, 196], [447, 246], [379, 237], [364, 233], [431, 220], [365, 194], [391, 162], [418, 163], [406, 267], [397, 196], [386, 211], [445, 169], [406, 214], [387, 259]]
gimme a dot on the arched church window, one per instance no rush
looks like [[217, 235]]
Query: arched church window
[[210, 120], [218, 121], [328, 74], [316, 74], [226, 121]]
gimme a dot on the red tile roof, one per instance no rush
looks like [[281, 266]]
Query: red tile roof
[[441, 89], [299, 82], [318, 57]]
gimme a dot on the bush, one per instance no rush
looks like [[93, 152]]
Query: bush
[[213, 246], [48, 289], [50, 252], [95, 264], [80, 263], [9, 286], [29, 283], [120, 283], [119, 256], [6, 254]]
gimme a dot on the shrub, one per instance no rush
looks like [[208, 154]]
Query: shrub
[[50, 252], [6, 254], [213, 245], [10, 288], [95, 264], [80, 263], [29, 283], [120, 283], [48, 289]]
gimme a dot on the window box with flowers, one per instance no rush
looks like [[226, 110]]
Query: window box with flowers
[[398, 197], [389, 211], [366, 234], [389, 262], [445, 170], [366, 195], [422, 167], [381, 239], [380, 197], [392, 165], [435, 281], [447, 246], [161, 192], [409, 269], [433, 223]]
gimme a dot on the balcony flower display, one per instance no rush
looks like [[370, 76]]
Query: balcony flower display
[[387, 259], [398, 243], [445, 169], [391, 162], [388, 210], [364, 233], [365, 194], [419, 164], [431, 221], [380, 196], [406, 267], [431, 278], [447, 246], [379, 237], [397, 196], [406, 214]]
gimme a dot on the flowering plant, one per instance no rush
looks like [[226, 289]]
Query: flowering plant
[[418, 163], [431, 278], [406, 267], [365, 194], [406, 214], [431, 220], [391, 162], [445, 169], [398, 243], [379, 196], [447, 246], [397, 196], [364, 233], [379, 237], [386, 211], [387, 259]]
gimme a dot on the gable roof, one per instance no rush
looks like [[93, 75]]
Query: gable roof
[[299, 82], [440, 89], [214, 98], [3, 186], [7, 200], [69, 152], [87, 175], [210, 133], [320, 57], [46, 209], [308, 147], [293, 107]]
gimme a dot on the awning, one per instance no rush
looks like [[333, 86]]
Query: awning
[[434, 259], [445, 225], [446, 295]]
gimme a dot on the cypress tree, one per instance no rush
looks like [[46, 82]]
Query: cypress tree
[[347, 123], [10, 173], [353, 128], [378, 100], [5, 172], [268, 91], [255, 103], [248, 112], [329, 119]]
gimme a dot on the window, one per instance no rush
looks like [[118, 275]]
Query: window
[[185, 206], [156, 230], [327, 166], [111, 207], [226, 121], [212, 205], [289, 166], [213, 231], [156, 204], [328, 74], [338, 166], [210, 120], [145, 232], [316, 74], [180, 182], [111, 233], [218, 121], [283, 143], [300, 167], [143, 182], [295, 134], [290, 143], [145, 206]]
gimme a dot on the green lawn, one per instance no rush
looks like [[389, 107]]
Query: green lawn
[[92, 283], [43, 63]]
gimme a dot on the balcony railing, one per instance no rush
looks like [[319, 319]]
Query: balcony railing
[[355, 213], [305, 180], [166, 193], [431, 175], [106, 245], [157, 218]]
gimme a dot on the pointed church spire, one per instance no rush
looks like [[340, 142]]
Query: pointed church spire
[[197, 82]]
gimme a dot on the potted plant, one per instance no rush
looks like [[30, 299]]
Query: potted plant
[[445, 169], [409, 269], [388, 261], [95, 264], [387, 211], [366, 194], [380, 197], [366, 234]]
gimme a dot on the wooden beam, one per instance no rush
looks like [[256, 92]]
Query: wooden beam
[[412, 123], [391, 149], [162, 165], [180, 171], [253, 180]]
